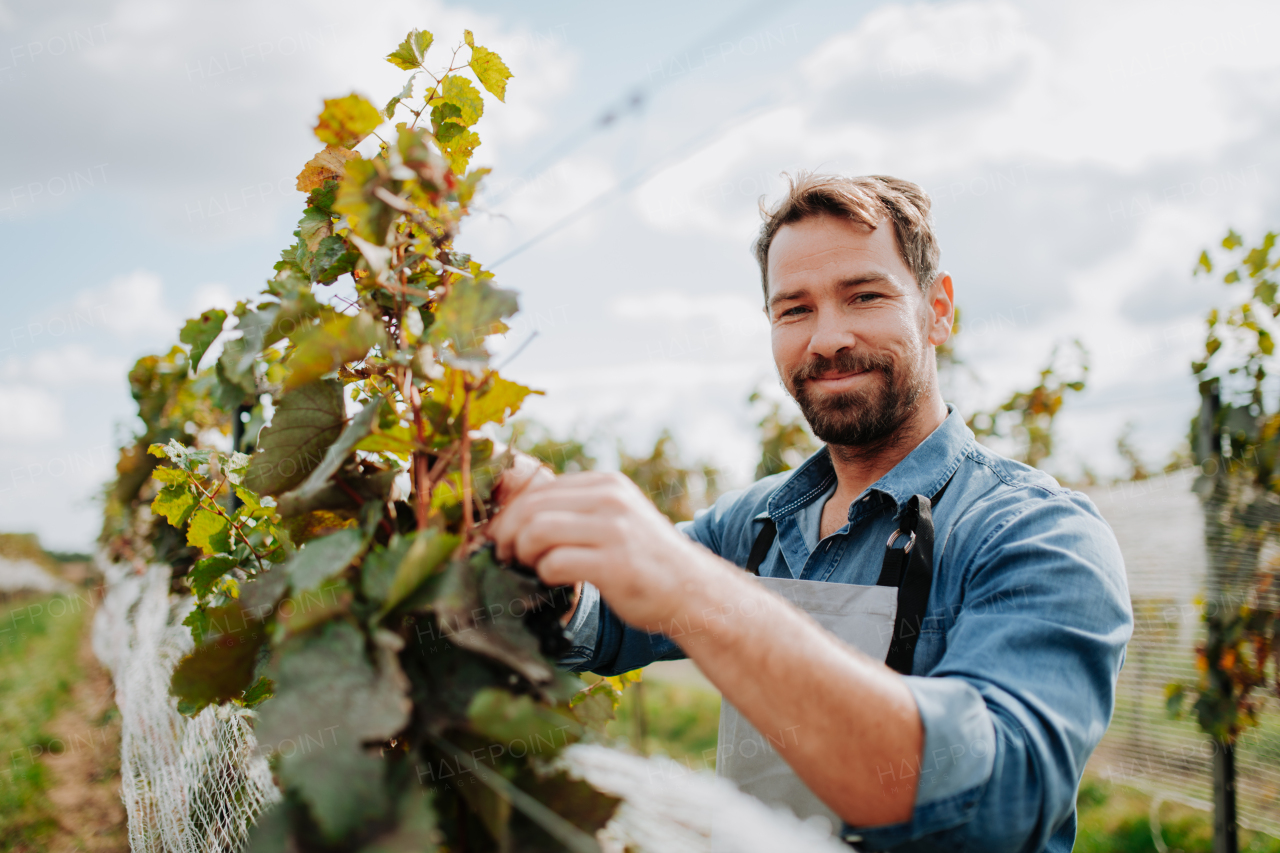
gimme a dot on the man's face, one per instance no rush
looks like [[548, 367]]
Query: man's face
[[852, 331]]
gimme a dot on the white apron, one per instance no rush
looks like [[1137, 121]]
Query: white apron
[[882, 622]]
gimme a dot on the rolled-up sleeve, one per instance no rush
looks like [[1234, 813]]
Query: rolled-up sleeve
[[1025, 690]]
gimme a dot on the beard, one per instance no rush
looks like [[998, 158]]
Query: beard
[[862, 418]]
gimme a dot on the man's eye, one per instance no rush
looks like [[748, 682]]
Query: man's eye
[[799, 309], [866, 297]]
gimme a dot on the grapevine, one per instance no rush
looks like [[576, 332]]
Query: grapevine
[[335, 550]]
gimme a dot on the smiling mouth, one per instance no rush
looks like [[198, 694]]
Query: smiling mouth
[[839, 377]]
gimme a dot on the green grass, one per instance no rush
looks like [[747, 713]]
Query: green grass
[[1116, 819], [681, 720], [37, 668]]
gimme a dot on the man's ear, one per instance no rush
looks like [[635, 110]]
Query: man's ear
[[942, 309]]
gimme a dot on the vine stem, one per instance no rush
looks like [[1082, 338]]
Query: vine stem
[[422, 482], [468, 516], [235, 527]]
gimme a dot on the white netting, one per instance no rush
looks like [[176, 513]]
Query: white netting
[[195, 785], [190, 785]]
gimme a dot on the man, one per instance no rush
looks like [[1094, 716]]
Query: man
[[978, 740]]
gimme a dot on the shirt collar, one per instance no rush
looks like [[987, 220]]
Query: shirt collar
[[922, 472]]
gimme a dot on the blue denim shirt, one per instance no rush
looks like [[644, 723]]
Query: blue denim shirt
[[1015, 669]]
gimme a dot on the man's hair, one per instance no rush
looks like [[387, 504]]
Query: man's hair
[[867, 200]]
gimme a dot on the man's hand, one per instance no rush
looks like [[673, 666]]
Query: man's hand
[[600, 528]]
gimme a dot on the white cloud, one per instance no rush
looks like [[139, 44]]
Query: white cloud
[[29, 414], [132, 306], [65, 367]]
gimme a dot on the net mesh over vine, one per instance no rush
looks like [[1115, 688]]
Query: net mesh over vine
[[1184, 558], [188, 784], [196, 785]]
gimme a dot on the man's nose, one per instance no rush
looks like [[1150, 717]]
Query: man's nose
[[830, 336]]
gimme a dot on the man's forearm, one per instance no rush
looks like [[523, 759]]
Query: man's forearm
[[843, 714]]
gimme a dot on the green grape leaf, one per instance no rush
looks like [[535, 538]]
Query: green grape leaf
[[411, 52], [207, 572], [221, 668], [473, 310], [490, 70], [1232, 240], [324, 348], [405, 94], [314, 227], [352, 434], [342, 784], [307, 420], [175, 502], [459, 92], [476, 608], [380, 566], [329, 700], [320, 559], [201, 332], [260, 593], [323, 679], [427, 552], [468, 38], [349, 496], [210, 532], [304, 611], [259, 692], [499, 715], [332, 258], [346, 121]]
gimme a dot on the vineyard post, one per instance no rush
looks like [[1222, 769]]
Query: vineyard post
[[1209, 445], [1224, 799]]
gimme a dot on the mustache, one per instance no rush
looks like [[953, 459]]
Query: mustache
[[843, 362]]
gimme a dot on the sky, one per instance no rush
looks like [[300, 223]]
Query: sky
[[1079, 157]]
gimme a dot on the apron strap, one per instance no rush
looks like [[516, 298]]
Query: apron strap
[[910, 569], [760, 548]]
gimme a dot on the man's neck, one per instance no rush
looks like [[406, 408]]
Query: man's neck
[[858, 467]]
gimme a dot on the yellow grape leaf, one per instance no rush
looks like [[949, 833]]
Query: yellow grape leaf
[[210, 532], [501, 401], [323, 348], [459, 92], [398, 441], [458, 150], [328, 165], [346, 121], [490, 70], [175, 502], [619, 682]]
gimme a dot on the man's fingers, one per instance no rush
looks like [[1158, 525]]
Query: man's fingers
[[552, 497], [568, 564], [559, 528], [524, 472]]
